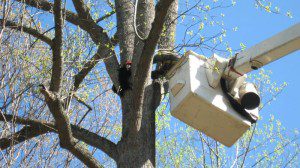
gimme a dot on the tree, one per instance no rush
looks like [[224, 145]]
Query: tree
[[54, 83]]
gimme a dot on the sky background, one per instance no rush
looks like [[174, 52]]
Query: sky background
[[255, 25]]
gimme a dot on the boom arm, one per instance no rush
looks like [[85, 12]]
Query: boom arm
[[265, 52]]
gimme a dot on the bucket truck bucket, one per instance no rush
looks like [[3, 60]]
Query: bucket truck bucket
[[196, 103]]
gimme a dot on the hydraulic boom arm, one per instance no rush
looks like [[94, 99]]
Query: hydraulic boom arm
[[265, 52]]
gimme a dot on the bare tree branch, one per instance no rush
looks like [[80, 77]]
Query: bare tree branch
[[103, 54], [96, 141], [275, 150], [79, 133], [88, 66], [35, 33], [23, 121], [57, 61], [109, 14], [26, 133], [248, 145], [54, 102], [105, 46], [97, 34], [82, 10], [47, 6], [291, 159], [32, 128], [84, 155], [63, 126], [88, 25]]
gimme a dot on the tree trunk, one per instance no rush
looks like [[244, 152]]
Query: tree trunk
[[139, 151]]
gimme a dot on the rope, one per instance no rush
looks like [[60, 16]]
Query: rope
[[134, 22]]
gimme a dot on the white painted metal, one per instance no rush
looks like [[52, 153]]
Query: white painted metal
[[267, 51], [215, 67], [235, 86], [199, 105], [248, 96], [178, 85]]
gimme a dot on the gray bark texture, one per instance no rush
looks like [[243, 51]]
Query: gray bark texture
[[136, 147]]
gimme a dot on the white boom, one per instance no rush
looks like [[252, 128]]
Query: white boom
[[265, 52]]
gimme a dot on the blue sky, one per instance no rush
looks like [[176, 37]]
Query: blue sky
[[254, 26]]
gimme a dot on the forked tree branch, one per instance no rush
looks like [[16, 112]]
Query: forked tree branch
[[53, 100], [35, 33], [145, 62], [82, 10], [63, 126], [48, 7]]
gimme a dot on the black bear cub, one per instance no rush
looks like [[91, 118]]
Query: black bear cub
[[124, 76]]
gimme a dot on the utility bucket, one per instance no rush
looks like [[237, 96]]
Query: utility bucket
[[200, 106]]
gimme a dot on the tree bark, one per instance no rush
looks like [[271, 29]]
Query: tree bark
[[139, 150]]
